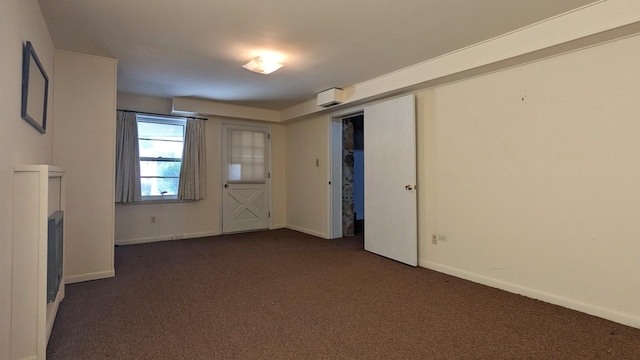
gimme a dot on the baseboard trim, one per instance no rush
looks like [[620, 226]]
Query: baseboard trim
[[70, 279], [278, 226], [168, 237], [616, 316], [308, 231]]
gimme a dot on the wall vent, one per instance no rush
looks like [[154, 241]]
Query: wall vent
[[330, 97]]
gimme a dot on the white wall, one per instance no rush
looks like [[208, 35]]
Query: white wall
[[529, 175], [532, 176], [278, 176], [307, 184], [173, 220], [84, 145], [20, 21], [199, 218]]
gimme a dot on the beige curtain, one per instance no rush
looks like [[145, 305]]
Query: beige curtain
[[127, 158], [193, 173]]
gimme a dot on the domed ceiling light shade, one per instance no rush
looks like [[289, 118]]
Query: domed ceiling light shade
[[262, 66]]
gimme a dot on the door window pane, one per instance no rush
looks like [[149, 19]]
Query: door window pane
[[246, 156]]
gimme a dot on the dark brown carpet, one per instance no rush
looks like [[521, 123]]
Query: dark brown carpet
[[285, 295]]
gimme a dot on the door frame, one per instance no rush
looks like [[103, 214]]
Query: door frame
[[334, 170], [262, 126]]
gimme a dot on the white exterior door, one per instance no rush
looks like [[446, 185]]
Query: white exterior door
[[245, 192], [390, 198]]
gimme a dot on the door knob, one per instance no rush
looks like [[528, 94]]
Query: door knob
[[411, 187], [226, 186]]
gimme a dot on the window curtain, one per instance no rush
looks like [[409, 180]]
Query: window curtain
[[193, 173], [127, 158]]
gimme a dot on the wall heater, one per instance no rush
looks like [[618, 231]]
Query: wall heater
[[54, 254]]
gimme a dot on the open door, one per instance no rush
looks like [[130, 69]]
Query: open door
[[390, 198]]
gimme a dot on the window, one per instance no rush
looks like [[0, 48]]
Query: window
[[161, 141], [246, 152]]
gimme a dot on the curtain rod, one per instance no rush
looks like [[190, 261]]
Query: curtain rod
[[149, 113]]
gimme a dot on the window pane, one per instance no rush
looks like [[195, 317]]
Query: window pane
[[154, 186], [159, 148], [160, 168], [154, 130], [246, 155]]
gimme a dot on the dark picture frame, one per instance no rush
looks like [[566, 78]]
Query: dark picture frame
[[35, 89]]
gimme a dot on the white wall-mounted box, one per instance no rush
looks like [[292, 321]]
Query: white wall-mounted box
[[330, 97]]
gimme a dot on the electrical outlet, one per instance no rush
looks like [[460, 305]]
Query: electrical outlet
[[434, 239], [153, 219]]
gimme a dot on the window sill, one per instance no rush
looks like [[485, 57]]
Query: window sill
[[158, 201]]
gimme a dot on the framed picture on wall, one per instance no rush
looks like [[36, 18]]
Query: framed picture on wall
[[35, 89]]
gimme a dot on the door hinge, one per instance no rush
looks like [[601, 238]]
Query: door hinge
[[269, 175], [268, 136], [269, 213]]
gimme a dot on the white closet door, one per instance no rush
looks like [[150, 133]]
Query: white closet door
[[390, 180]]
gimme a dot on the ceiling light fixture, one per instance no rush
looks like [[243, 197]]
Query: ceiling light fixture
[[261, 65]]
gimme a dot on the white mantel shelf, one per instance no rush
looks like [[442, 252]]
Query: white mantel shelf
[[49, 170], [38, 191]]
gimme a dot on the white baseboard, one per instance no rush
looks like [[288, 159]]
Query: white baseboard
[[616, 316], [278, 226], [70, 279], [168, 237], [307, 231]]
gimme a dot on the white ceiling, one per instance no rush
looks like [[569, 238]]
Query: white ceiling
[[170, 48]]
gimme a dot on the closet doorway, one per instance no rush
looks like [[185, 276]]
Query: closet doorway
[[390, 191], [348, 175]]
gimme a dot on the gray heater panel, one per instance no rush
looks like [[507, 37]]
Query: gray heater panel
[[54, 254]]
